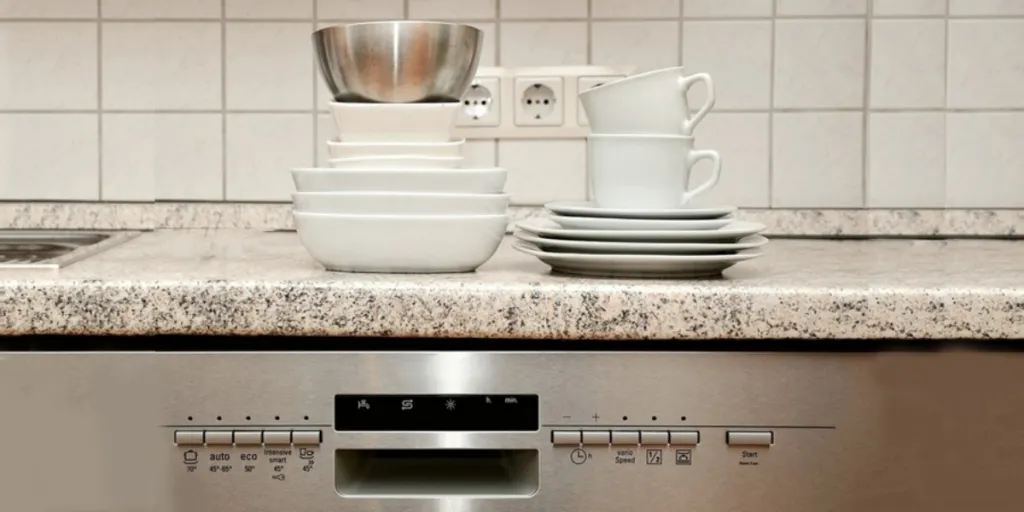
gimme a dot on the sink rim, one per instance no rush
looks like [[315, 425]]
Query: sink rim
[[106, 240]]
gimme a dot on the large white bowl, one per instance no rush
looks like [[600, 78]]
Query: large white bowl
[[338, 149], [397, 162], [390, 122], [445, 181], [401, 243], [400, 203]]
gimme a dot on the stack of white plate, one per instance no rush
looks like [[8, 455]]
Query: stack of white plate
[[581, 238], [396, 197]]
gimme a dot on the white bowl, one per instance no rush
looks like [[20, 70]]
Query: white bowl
[[397, 162], [401, 243], [354, 149], [445, 181], [400, 203], [390, 122]]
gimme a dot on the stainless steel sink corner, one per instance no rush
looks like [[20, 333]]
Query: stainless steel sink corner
[[50, 251]]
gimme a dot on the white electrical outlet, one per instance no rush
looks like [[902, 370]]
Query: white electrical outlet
[[481, 105], [586, 83], [529, 103], [540, 101]]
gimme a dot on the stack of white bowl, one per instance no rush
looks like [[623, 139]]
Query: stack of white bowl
[[640, 221], [396, 197]]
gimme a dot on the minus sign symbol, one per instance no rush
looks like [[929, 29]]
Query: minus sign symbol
[[566, 417]]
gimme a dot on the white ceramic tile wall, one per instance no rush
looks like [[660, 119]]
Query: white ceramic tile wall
[[821, 103]]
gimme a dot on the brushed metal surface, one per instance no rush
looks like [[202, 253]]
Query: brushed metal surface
[[853, 432], [398, 61]]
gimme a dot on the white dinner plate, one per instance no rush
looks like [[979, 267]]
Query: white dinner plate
[[732, 232], [638, 224], [588, 209], [598, 247], [638, 265]]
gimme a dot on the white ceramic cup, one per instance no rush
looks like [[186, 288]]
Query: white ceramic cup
[[649, 103], [646, 171]]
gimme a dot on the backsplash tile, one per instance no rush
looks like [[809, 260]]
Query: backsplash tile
[[49, 66], [148, 66], [726, 8], [551, 43], [816, 159], [268, 66], [635, 8], [268, 9], [174, 157], [543, 9], [358, 10], [104, 94], [984, 159], [48, 9], [908, 64], [909, 7], [903, 168], [742, 142], [453, 9], [737, 54], [820, 7], [261, 149], [49, 156], [819, 63], [645, 44], [986, 64], [540, 171], [158, 9]]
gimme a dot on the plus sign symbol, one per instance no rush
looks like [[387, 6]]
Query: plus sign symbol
[[596, 416]]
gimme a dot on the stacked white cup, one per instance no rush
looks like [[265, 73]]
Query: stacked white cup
[[640, 221], [396, 197], [641, 147]]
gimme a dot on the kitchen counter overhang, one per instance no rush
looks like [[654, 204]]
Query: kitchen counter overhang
[[257, 283]]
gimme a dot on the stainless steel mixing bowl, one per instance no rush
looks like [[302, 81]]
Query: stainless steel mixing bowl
[[398, 61]]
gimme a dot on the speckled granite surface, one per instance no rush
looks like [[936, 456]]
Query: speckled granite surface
[[247, 282], [269, 216]]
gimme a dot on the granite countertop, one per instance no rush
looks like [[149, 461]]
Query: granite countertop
[[251, 282]]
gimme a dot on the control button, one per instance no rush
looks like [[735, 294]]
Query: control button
[[684, 437], [565, 437], [218, 437], [749, 438], [276, 437], [188, 437], [654, 437], [596, 437], [305, 437], [248, 437], [625, 437]]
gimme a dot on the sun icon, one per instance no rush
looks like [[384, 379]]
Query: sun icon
[[450, 404]]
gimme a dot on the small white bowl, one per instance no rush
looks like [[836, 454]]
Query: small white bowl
[[355, 149], [397, 162], [390, 122], [445, 181], [400, 203], [401, 243]]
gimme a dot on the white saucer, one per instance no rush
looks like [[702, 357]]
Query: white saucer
[[637, 265], [639, 224], [730, 233], [555, 245], [588, 209]]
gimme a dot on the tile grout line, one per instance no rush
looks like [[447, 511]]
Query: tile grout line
[[945, 116], [316, 113], [771, 113], [822, 17], [590, 32], [99, 99], [223, 102], [865, 149], [405, 9], [497, 63]]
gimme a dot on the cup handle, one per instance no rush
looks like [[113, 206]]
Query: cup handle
[[716, 172], [685, 84]]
